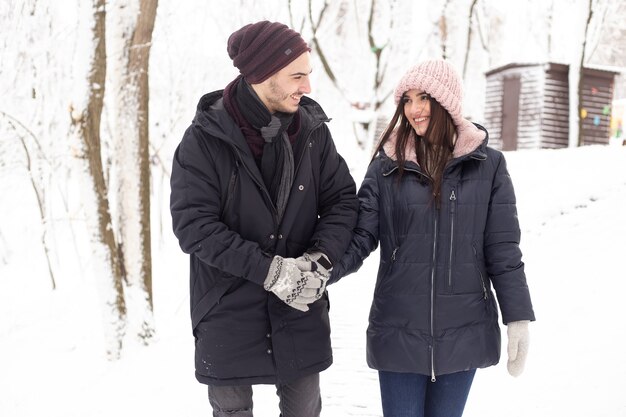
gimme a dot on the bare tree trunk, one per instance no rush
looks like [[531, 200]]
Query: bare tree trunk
[[133, 165], [550, 20], [86, 125], [581, 137], [443, 30], [469, 37], [377, 50], [138, 69]]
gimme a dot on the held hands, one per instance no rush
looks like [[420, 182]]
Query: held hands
[[517, 348], [319, 263], [294, 282]]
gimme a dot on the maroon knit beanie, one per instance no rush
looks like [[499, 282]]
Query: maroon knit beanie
[[262, 49]]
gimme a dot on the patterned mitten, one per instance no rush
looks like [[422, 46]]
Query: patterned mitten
[[292, 283]]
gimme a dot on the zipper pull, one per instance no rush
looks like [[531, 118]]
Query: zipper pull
[[393, 255], [452, 196]]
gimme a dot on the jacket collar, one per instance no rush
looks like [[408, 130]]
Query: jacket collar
[[470, 141], [212, 117]]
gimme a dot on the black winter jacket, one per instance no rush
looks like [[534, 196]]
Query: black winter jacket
[[433, 310], [224, 218]]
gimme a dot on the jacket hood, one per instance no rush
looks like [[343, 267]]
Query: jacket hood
[[207, 100], [213, 118], [471, 137]]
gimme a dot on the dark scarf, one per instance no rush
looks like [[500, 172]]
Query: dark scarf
[[269, 136]]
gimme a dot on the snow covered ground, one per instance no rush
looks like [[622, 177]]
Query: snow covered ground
[[572, 208]]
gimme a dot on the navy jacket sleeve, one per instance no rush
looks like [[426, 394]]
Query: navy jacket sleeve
[[366, 233], [502, 252], [195, 208]]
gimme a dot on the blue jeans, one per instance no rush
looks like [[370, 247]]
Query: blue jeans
[[299, 398], [414, 395]]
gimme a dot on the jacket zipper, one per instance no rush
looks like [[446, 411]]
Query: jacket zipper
[[265, 193], [480, 273], [452, 210], [432, 303], [418, 172], [309, 145], [264, 188]]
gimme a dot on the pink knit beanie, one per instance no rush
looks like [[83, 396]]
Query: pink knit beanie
[[438, 79]]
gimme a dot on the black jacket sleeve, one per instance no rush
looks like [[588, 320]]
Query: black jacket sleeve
[[195, 208], [366, 233], [338, 204]]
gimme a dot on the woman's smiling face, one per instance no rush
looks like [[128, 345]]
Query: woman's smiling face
[[417, 110]]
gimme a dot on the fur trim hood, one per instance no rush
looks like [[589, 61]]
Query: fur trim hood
[[470, 137]]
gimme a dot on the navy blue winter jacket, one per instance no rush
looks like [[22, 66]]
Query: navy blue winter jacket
[[433, 310]]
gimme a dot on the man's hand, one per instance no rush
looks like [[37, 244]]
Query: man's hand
[[290, 280]]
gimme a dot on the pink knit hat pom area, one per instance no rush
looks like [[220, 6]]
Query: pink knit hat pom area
[[438, 79]]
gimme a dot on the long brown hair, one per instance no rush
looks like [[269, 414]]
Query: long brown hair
[[433, 153]]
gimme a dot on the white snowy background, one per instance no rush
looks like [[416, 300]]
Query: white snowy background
[[572, 210]]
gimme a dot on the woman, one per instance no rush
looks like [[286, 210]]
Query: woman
[[442, 206]]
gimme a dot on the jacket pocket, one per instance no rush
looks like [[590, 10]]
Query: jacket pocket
[[230, 352], [208, 301], [479, 270], [230, 190], [386, 271], [309, 335]]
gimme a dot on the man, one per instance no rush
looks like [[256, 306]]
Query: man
[[264, 204]]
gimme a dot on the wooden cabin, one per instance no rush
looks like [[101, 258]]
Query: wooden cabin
[[598, 88], [527, 106]]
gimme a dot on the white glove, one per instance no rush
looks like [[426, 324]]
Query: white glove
[[517, 348], [289, 280]]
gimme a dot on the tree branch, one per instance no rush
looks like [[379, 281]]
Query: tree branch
[[38, 194], [469, 37]]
